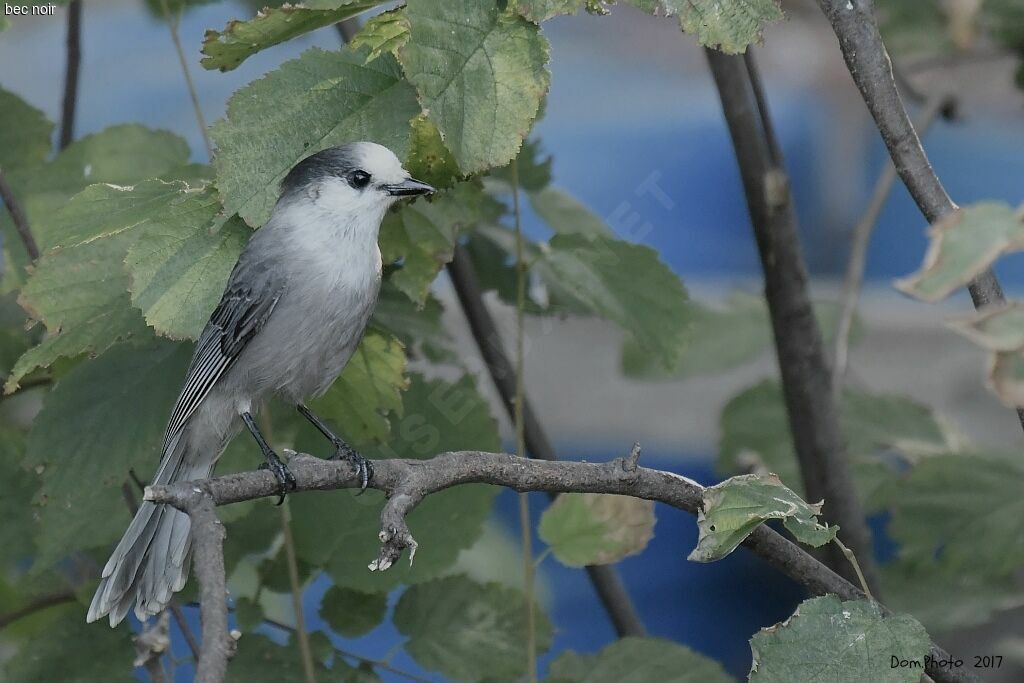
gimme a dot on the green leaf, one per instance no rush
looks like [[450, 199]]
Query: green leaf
[[367, 392], [466, 630], [24, 133], [438, 416], [240, 40], [728, 25], [421, 330], [429, 160], [625, 283], [996, 328], [965, 509], [480, 75], [594, 528], [532, 168], [638, 660], [310, 103], [261, 660], [248, 614], [17, 487], [754, 424], [732, 510], [353, 613], [101, 419], [385, 33], [423, 235], [961, 246], [542, 10], [563, 213], [844, 642], [71, 650], [179, 266]]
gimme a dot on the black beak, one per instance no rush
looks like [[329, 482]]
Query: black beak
[[409, 188]]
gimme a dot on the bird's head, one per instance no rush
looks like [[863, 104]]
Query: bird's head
[[361, 177]]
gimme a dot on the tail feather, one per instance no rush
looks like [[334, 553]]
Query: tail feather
[[150, 563]]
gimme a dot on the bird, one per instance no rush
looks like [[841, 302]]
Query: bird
[[294, 310]]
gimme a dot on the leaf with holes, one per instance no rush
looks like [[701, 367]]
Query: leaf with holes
[[596, 528], [310, 103], [480, 74], [727, 25], [961, 246], [385, 33], [732, 510], [846, 642]]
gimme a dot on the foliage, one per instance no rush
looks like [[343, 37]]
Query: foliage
[[594, 528], [635, 660]]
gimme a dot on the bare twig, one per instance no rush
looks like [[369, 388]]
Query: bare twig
[[861, 237], [406, 482], [172, 25], [867, 59], [18, 217], [37, 605], [812, 412], [605, 578], [71, 70]]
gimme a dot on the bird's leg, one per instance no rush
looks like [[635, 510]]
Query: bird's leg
[[342, 451], [274, 464]]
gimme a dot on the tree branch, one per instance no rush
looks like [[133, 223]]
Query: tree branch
[[36, 605], [806, 385], [605, 578], [74, 61], [854, 24], [406, 482], [18, 217]]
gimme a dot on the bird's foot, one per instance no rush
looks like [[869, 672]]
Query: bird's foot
[[363, 467], [285, 478]]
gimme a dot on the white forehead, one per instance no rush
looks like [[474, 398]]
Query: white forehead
[[380, 162]]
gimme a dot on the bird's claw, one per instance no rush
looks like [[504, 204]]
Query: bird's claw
[[284, 476], [363, 467]]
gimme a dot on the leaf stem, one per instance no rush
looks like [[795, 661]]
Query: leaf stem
[[18, 217], [524, 498], [172, 24], [856, 568]]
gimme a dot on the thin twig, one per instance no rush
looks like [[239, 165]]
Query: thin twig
[[347, 29], [803, 366], [18, 217], [861, 238], [524, 498], [856, 567], [605, 578], [406, 482], [172, 24], [37, 605], [71, 71], [853, 22], [296, 589]]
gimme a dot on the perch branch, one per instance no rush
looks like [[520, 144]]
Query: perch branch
[[803, 366], [18, 217], [853, 22], [605, 578], [407, 482], [71, 71]]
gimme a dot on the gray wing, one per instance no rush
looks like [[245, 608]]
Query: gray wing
[[251, 294]]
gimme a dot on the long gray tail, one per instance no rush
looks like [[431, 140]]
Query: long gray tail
[[151, 562]]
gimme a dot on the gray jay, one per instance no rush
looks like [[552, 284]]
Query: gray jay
[[295, 308]]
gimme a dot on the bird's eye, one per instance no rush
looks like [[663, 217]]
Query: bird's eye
[[359, 179]]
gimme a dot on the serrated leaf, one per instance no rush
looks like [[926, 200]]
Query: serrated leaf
[[367, 392], [538, 11], [385, 33], [24, 133], [178, 266], [438, 417], [101, 419], [480, 75], [423, 236], [533, 170], [421, 330], [624, 283], [240, 40], [466, 630], [71, 650], [732, 510], [996, 328], [754, 423], [563, 213], [727, 25], [638, 660], [962, 245], [429, 160], [964, 509], [594, 528], [310, 103], [353, 613], [843, 642]]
